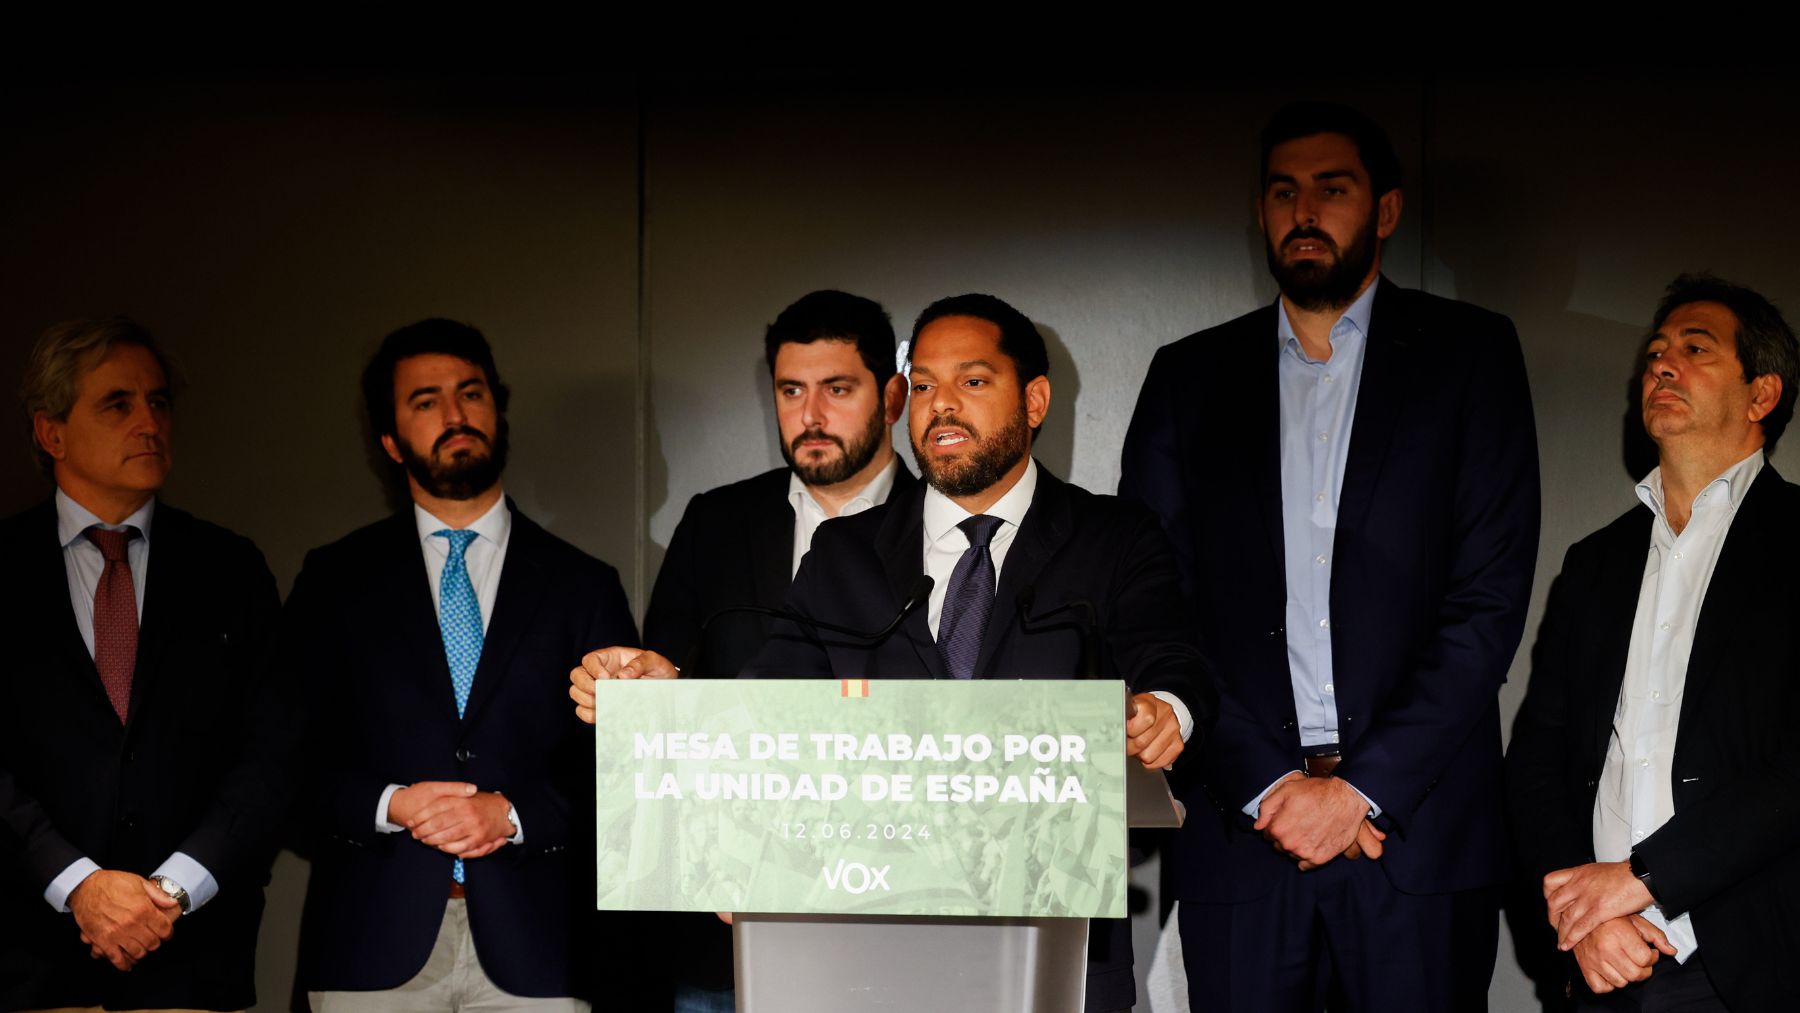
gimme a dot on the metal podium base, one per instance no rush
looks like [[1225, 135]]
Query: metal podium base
[[834, 964]]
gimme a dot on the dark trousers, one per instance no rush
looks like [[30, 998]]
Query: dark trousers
[[1671, 988], [1342, 936]]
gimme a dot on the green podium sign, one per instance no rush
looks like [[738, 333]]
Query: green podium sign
[[862, 797]]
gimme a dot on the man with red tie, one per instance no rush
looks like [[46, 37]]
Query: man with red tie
[[142, 772]]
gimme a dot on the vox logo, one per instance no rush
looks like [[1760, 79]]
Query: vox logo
[[855, 877]]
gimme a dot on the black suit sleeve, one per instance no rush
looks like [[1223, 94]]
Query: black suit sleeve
[[1149, 632], [1245, 754], [673, 620], [236, 837], [47, 852], [1546, 736]]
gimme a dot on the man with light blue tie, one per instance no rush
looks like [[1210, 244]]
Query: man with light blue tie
[[143, 767], [451, 795]]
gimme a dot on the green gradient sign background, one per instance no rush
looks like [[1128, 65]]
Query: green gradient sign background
[[851, 856]]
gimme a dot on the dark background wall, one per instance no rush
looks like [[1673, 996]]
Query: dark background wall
[[624, 241]]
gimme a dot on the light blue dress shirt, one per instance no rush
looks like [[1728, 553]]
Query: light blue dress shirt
[[1318, 407], [83, 565]]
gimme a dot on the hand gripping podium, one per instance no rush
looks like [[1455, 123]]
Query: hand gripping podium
[[886, 845]]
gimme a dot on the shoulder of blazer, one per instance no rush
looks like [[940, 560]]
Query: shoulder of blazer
[[533, 542], [733, 498], [1238, 335]]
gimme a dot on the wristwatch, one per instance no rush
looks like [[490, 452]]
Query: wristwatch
[[173, 890], [1642, 872]]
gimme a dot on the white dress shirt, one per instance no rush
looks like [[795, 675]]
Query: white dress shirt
[[1635, 797], [485, 558], [808, 514], [945, 544], [83, 564]]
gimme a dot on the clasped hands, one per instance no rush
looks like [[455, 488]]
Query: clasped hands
[[453, 817], [1313, 820], [1595, 909], [122, 916]]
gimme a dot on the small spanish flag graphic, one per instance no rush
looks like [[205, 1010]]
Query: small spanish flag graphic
[[855, 689]]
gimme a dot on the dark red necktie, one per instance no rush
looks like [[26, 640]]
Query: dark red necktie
[[115, 618]]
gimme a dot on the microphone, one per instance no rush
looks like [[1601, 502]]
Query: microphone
[[1088, 630], [916, 595]]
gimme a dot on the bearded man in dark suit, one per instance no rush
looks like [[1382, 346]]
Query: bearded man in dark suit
[[1350, 479], [452, 796]]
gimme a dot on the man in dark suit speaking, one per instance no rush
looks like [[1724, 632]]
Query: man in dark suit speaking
[[1350, 479], [1648, 769], [144, 765], [452, 796], [1008, 546]]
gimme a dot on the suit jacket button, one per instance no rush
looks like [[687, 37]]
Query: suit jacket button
[[464, 756]]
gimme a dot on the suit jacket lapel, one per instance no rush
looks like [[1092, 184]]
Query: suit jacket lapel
[[409, 588], [900, 544], [1045, 528], [1730, 606], [516, 604], [162, 598], [1616, 598], [1393, 335], [45, 568], [772, 551], [1263, 397]]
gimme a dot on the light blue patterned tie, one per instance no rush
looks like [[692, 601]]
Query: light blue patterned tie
[[459, 620]]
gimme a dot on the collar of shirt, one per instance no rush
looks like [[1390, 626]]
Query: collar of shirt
[[1350, 328], [495, 525], [73, 519], [942, 514], [1734, 482], [873, 493]]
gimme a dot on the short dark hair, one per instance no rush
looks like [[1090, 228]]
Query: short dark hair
[[1765, 342], [435, 336], [1305, 119], [830, 315], [63, 354], [1019, 337]]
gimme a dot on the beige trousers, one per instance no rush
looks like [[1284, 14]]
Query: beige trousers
[[451, 981]]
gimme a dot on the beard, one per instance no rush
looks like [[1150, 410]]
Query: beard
[[1317, 286], [465, 474], [985, 465], [851, 458]]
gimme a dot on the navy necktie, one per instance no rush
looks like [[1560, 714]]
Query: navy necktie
[[969, 599]]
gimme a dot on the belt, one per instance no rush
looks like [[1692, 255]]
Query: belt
[[1323, 764], [456, 890]]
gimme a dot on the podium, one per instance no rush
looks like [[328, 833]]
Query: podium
[[903, 845], [845, 963]]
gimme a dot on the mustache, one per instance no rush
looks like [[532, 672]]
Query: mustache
[[950, 422], [1306, 232], [455, 431], [814, 434], [1662, 385]]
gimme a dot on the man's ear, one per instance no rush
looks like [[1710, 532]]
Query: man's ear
[[1387, 213], [393, 449], [893, 398], [49, 435], [1037, 401], [1765, 394]]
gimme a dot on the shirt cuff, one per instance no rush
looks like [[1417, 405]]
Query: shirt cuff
[[190, 876], [57, 893], [1374, 810], [1181, 711], [1254, 808], [512, 815], [382, 825]]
